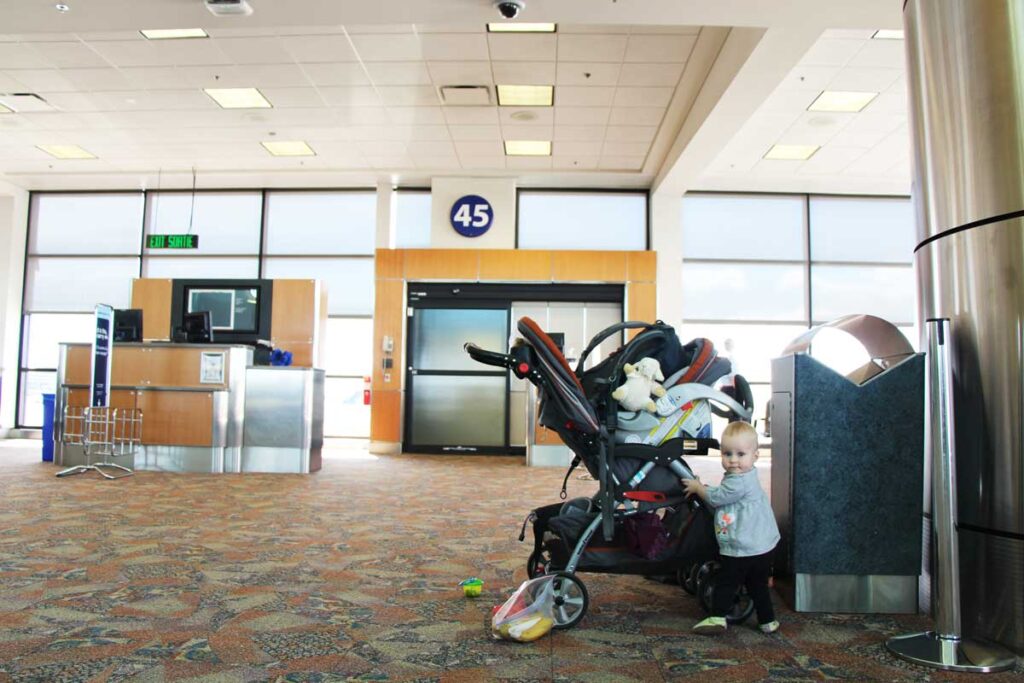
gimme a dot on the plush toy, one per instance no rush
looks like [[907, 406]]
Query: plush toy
[[641, 381]]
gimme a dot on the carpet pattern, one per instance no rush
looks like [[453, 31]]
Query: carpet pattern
[[351, 575]]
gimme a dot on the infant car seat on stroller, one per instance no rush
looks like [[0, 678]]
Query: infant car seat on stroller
[[648, 527]]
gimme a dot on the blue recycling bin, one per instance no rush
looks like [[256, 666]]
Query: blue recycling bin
[[48, 427]]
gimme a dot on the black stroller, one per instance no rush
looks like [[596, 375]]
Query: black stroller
[[647, 525]]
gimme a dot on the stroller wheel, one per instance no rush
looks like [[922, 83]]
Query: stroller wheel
[[742, 606], [700, 581], [571, 600], [537, 564], [687, 577]]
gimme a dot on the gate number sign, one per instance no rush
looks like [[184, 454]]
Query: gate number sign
[[471, 215]]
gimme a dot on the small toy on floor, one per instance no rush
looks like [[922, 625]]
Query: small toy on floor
[[472, 587]]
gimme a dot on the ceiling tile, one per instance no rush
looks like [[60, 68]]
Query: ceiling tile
[[856, 34], [388, 48], [433, 162], [142, 52], [450, 28], [833, 52], [157, 78], [591, 48], [581, 116], [805, 77], [573, 163], [880, 53], [265, 50], [643, 97], [214, 32], [432, 148], [483, 162], [394, 134], [461, 73], [524, 73], [814, 128], [863, 79], [398, 73], [643, 134], [381, 147], [868, 129], [313, 30], [649, 29], [293, 97], [357, 96], [389, 163], [650, 74], [359, 116], [429, 133], [480, 148], [19, 56], [462, 47], [583, 96], [98, 79], [648, 48], [536, 116], [269, 75], [889, 103], [523, 47], [831, 159], [594, 28], [355, 29], [409, 96], [9, 82], [577, 149], [72, 54], [625, 149], [636, 116], [329, 48], [787, 102], [472, 116], [588, 73], [37, 80], [621, 163], [528, 163], [337, 73], [579, 133], [526, 132], [416, 115], [461, 132], [70, 101]]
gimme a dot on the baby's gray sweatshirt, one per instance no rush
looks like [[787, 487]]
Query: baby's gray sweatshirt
[[744, 521]]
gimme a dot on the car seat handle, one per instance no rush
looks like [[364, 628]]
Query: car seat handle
[[604, 334]]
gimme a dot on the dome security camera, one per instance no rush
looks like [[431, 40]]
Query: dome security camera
[[510, 8]]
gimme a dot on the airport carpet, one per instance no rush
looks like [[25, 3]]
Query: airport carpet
[[350, 575]]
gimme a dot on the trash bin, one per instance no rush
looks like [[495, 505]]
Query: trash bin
[[48, 427]]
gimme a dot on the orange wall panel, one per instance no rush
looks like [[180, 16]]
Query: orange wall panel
[[641, 302], [515, 266], [153, 296], [386, 416], [442, 264], [642, 266], [389, 264], [589, 266], [388, 319]]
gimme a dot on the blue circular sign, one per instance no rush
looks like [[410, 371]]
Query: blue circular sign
[[471, 215]]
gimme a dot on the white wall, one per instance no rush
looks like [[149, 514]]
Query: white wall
[[500, 192], [667, 243], [13, 231]]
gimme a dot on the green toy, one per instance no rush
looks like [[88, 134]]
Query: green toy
[[472, 587]]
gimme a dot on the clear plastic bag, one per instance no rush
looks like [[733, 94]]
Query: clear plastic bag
[[528, 614]]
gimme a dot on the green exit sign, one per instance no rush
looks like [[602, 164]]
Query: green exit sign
[[172, 242]]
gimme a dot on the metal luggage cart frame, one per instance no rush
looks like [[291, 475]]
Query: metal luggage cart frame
[[102, 432]]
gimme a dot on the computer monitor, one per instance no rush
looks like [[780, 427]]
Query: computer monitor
[[128, 325], [240, 310], [197, 327]]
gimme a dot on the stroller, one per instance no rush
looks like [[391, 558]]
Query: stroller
[[647, 525]]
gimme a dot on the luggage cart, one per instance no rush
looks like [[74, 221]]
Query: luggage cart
[[102, 432]]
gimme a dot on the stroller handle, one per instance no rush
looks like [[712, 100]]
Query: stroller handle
[[499, 360]]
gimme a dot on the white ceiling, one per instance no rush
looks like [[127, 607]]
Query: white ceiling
[[868, 151]]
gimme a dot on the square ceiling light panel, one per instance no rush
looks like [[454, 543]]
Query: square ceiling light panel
[[528, 148], [524, 27], [791, 152], [888, 34], [4, 110], [173, 33], [67, 152], [842, 100], [526, 95], [289, 148], [238, 98]]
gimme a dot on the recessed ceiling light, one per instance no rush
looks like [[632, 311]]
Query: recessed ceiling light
[[66, 151], [791, 152], [61, 7], [238, 98], [5, 110], [528, 148], [172, 33], [526, 95], [521, 28], [888, 34], [289, 148], [842, 100]]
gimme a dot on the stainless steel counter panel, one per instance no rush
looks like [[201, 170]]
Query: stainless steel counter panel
[[283, 420], [966, 100]]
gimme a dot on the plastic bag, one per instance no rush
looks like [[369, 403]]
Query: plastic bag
[[528, 614]]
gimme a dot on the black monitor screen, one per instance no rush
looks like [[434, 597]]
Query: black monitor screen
[[235, 309], [128, 325]]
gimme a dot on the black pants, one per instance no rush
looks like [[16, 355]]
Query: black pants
[[752, 572]]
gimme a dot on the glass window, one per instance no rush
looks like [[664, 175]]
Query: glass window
[[441, 333], [344, 412], [412, 220], [862, 229], [582, 220], [44, 331], [743, 291], [349, 346], [725, 226], [202, 267], [226, 222], [886, 291], [77, 284], [321, 222], [33, 386], [466, 411], [350, 281], [86, 223], [751, 348]]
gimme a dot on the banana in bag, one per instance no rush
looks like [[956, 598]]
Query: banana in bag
[[528, 614]]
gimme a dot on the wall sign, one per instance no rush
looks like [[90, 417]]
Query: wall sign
[[471, 215], [100, 386], [172, 241]]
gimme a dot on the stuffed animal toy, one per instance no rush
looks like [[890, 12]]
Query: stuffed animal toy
[[641, 381]]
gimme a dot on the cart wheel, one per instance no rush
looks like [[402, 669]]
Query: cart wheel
[[571, 600], [700, 581], [686, 576], [537, 564], [742, 606]]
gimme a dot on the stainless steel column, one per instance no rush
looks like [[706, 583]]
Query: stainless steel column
[[965, 67]]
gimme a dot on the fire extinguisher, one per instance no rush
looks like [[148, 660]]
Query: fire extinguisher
[[366, 391]]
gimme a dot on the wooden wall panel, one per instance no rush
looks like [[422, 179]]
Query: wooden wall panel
[[641, 303], [177, 418], [78, 364], [388, 319], [389, 264], [642, 266], [515, 265], [589, 266], [158, 366], [302, 353], [386, 416], [294, 316], [442, 264], [153, 296]]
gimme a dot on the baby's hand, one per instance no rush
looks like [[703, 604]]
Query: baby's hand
[[693, 487]]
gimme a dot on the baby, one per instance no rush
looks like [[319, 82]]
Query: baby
[[745, 528]]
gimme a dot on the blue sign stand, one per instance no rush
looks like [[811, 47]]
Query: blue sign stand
[[471, 215], [101, 356]]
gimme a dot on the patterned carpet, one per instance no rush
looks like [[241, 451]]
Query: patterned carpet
[[349, 575]]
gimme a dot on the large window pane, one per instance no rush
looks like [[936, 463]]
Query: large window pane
[[321, 222], [349, 281], [862, 229], [764, 227], [582, 220], [441, 334], [349, 346], [86, 223], [44, 331], [412, 220], [33, 386], [202, 267], [885, 291], [743, 291], [458, 411], [751, 348], [344, 412], [78, 284], [226, 222]]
